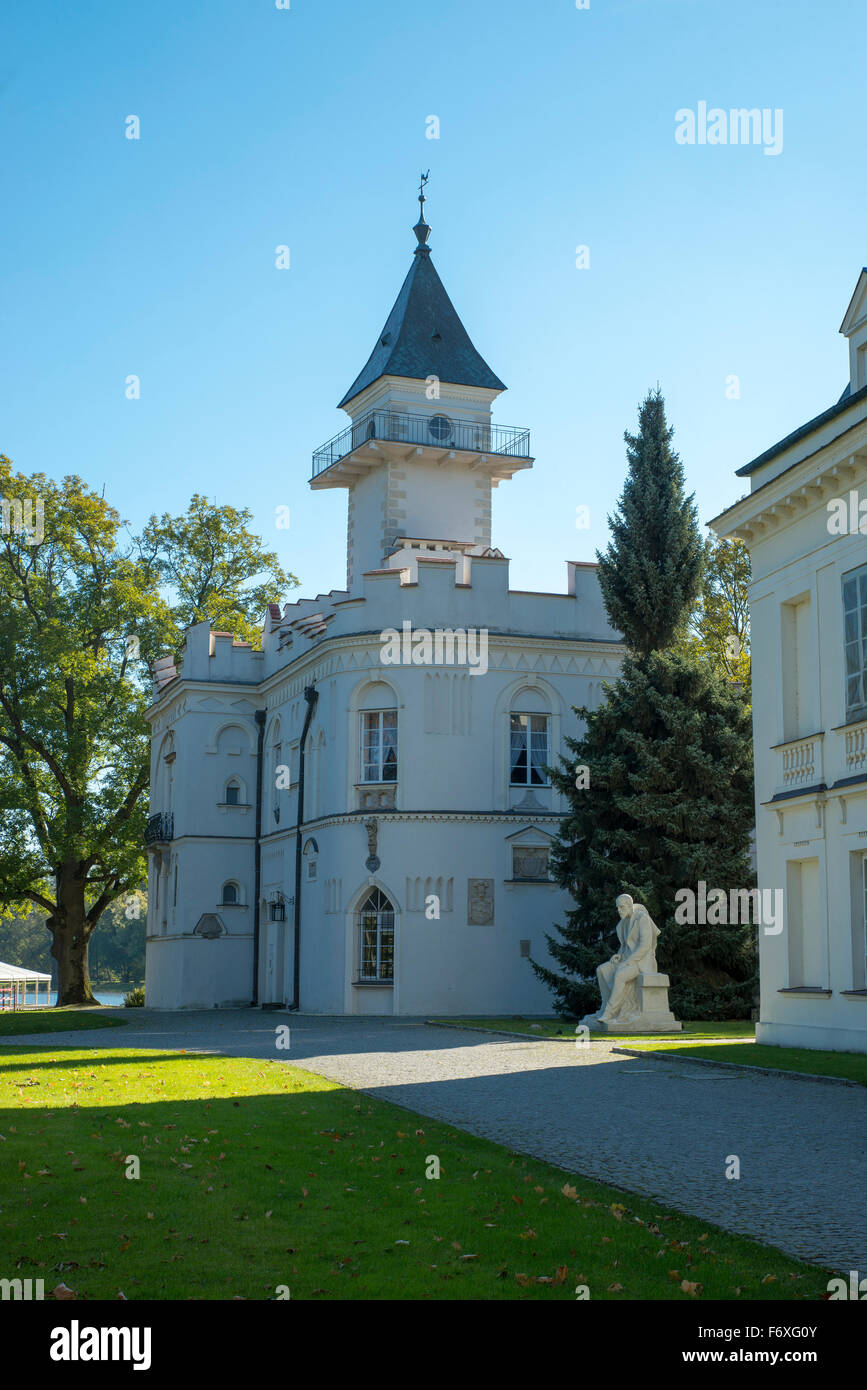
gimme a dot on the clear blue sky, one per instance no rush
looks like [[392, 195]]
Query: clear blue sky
[[306, 127]]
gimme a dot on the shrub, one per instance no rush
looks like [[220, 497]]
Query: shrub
[[135, 999]]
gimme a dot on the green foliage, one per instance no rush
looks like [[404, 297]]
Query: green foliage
[[669, 753], [135, 999], [670, 802], [73, 742], [116, 948], [209, 559], [719, 627], [81, 621], [651, 571], [25, 941]]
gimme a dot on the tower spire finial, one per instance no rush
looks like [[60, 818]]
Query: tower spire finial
[[421, 228]]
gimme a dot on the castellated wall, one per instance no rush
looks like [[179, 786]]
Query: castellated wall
[[451, 826]]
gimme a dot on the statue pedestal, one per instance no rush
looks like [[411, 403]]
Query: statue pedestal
[[654, 1015]]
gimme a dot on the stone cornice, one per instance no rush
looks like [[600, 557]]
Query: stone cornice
[[498, 642], [522, 818], [800, 488]]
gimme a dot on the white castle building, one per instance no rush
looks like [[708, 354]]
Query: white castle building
[[357, 818], [805, 523]]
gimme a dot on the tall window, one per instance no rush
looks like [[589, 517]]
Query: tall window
[[528, 752], [376, 937], [855, 639], [379, 745], [233, 794], [277, 763], [230, 894], [864, 916]]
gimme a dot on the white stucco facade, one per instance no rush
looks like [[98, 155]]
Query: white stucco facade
[[809, 663], [426, 818]]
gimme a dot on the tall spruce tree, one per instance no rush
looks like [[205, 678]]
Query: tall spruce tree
[[667, 797], [651, 572]]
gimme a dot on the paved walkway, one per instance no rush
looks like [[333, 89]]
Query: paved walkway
[[658, 1127]]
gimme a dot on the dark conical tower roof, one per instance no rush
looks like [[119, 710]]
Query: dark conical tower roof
[[423, 335]]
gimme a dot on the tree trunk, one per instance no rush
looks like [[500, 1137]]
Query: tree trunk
[[71, 936]]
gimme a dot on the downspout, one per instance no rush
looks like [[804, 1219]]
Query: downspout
[[260, 720], [311, 695]]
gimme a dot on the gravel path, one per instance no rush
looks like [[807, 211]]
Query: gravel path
[[665, 1129]]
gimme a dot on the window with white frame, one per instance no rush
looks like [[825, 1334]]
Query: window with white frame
[[375, 921], [528, 750], [230, 896], [855, 640], [232, 794], [379, 745]]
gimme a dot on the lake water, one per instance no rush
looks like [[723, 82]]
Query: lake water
[[115, 1000]]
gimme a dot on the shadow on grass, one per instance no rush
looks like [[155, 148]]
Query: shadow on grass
[[254, 1176]]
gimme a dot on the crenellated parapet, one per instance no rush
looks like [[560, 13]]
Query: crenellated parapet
[[432, 590]]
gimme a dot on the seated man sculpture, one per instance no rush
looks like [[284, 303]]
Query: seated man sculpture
[[634, 994]]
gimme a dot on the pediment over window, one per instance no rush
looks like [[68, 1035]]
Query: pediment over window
[[530, 834], [530, 851], [210, 926]]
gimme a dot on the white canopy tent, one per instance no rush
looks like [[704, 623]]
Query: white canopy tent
[[16, 984]]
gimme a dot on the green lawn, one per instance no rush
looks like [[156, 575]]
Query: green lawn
[[556, 1027], [55, 1020], [852, 1066], [255, 1175]]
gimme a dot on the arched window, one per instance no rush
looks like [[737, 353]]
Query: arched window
[[311, 854], [375, 920], [231, 896], [233, 792]]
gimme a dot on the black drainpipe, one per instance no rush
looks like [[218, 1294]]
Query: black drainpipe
[[311, 695], [260, 720]]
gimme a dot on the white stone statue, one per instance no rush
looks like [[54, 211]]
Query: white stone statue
[[634, 994]]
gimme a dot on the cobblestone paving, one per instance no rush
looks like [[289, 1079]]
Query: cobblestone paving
[[661, 1128]]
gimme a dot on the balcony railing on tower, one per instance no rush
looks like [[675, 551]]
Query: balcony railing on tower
[[432, 431]]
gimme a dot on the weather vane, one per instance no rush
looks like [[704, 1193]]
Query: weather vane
[[421, 228]]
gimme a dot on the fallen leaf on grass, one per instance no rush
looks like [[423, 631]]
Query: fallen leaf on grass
[[692, 1289], [62, 1292]]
